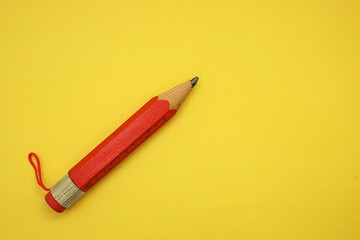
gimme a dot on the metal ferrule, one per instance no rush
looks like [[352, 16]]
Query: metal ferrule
[[65, 192]]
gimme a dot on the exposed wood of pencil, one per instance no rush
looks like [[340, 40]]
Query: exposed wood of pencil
[[176, 95]]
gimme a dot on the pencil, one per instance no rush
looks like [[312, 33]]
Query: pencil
[[116, 147]]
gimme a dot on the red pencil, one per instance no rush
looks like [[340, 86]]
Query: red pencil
[[139, 127]]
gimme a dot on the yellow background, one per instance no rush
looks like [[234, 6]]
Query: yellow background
[[267, 146]]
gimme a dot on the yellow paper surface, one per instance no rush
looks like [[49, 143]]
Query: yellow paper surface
[[267, 146]]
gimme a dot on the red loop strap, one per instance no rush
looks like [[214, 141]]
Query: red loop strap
[[37, 170]]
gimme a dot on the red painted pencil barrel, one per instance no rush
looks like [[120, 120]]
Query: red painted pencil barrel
[[109, 153]]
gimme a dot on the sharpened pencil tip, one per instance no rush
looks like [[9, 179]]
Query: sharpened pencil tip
[[194, 81]]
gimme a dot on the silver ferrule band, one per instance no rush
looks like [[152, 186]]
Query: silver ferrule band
[[65, 191]]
